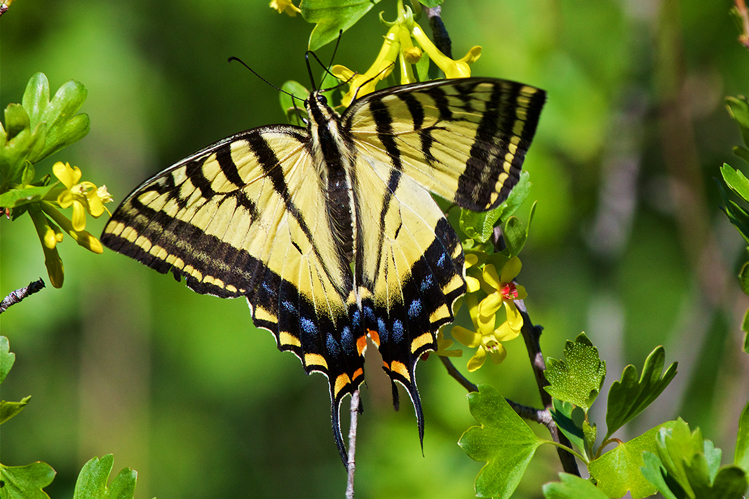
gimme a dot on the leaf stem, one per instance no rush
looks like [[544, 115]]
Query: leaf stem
[[568, 450]]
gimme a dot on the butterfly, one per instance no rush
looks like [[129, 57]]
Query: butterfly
[[329, 230]]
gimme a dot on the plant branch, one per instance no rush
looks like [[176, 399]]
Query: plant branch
[[352, 444], [532, 335], [21, 293], [439, 31], [453, 371]]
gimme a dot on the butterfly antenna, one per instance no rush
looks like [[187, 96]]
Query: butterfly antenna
[[309, 68], [293, 97]]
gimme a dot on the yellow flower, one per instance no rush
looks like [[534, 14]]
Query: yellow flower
[[452, 68], [485, 337], [502, 290], [444, 344], [285, 6], [363, 84], [49, 235], [82, 237], [82, 196]]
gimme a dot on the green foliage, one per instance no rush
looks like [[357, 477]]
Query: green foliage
[[92, 481], [572, 487], [26, 482], [579, 377], [480, 226], [738, 108], [618, 470], [293, 108], [503, 440], [569, 420], [332, 16], [687, 466], [741, 456], [630, 396], [7, 358], [37, 128]]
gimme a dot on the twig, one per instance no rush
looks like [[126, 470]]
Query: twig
[[453, 371], [540, 416], [21, 293], [531, 335], [439, 32], [352, 444]]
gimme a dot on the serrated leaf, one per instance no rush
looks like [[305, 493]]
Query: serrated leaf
[[26, 482], [572, 487], [10, 409], [741, 456], [332, 16], [7, 358], [293, 108], [18, 197], [736, 181], [569, 420], [93, 478], [515, 235], [579, 377], [618, 470], [630, 396], [503, 440], [738, 108]]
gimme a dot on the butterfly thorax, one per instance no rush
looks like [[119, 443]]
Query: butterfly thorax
[[328, 148]]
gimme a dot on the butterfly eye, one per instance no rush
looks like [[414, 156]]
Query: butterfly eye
[[321, 99]]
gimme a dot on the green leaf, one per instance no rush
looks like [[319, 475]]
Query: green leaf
[[741, 456], [572, 487], [741, 152], [36, 97], [480, 226], [515, 235], [736, 181], [630, 396], [738, 108], [422, 68], [503, 440], [332, 16], [687, 465], [618, 470], [569, 419], [92, 481], [7, 358], [18, 197], [64, 127], [579, 377], [293, 108], [18, 143], [10, 409], [744, 278], [590, 431], [26, 482]]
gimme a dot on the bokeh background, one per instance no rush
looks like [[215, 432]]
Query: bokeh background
[[628, 243]]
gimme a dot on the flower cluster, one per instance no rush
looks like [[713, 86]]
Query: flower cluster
[[83, 197], [399, 48], [501, 290]]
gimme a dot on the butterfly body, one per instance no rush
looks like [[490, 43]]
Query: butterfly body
[[329, 231]]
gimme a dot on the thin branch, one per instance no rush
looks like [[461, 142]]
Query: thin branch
[[21, 293], [532, 335], [352, 444], [439, 31], [540, 416], [453, 371]]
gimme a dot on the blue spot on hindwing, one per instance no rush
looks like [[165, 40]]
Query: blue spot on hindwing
[[414, 310], [347, 341], [427, 283], [397, 331], [332, 345], [289, 307], [382, 331]]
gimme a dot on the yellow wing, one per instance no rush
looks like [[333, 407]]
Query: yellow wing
[[246, 217]]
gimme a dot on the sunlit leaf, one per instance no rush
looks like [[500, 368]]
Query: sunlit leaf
[[736, 181], [578, 378], [18, 197], [618, 470], [503, 440], [572, 487], [10, 409], [332, 16], [629, 396], [93, 478], [26, 482], [7, 358]]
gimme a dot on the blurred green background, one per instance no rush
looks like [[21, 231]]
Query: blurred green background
[[628, 243]]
